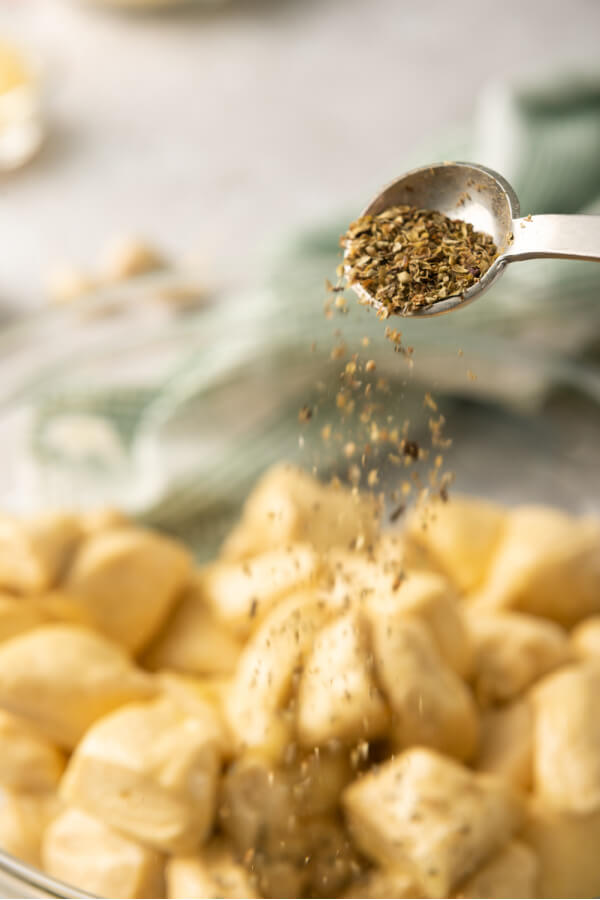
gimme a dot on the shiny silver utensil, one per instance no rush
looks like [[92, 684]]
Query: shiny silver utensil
[[485, 199]]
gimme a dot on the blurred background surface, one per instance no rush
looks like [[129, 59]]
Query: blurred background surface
[[214, 129]]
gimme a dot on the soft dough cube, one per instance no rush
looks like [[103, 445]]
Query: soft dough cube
[[264, 676], [28, 762], [34, 553], [213, 872], [290, 505], [150, 770], [548, 564], [431, 814], [127, 579], [194, 641], [513, 872], [566, 760], [240, 594], [430, 598], [585, 639], [260, 801], [63, 677], [460, 536], [506, 746], [284, 818], [85, 853], [512, 651], [567, 849], [193, 695], [430, 704], [364, 581], [23, 818], [337, 694]]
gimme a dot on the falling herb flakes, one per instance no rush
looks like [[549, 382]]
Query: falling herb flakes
[[409, 258]]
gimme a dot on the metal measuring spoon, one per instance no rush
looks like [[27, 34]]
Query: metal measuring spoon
[[485, 199]]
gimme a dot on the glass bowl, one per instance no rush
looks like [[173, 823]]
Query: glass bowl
[[172, 412]]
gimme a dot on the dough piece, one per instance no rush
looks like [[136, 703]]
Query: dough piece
[[194, 641], [28, 762], [338, 697], [506, 747], [85, 853], [566, 759], [430, 704], [263, 680], [23, 819], [241, 594], [513, 872], [366, 581], [548, 565], [128, 579], [260, 801], [149, 770], [567, 848], [512, 651], [35, 552], [289, 505], [461, 537], [62, 678], [212, 872], [432, 815], [431, 599]]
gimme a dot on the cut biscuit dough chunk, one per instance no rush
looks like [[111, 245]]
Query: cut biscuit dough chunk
[[240, 594], [430, 598], [34, 552], [431, 815], [369, 581], [149, 770], [567, 849], [193, 641], [338, 697], [506, 746], [566, 756], [548, 565], [512, 872], [61, 678], [28, 762], [289, 505], [430, 704], [263, 680], [261, 801], [512, 651], [86, 853], [196, 696], [23, 819], [461, 538], [127, 580], [212, 872]]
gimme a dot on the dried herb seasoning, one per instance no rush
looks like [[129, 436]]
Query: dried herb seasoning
[[409, 258]]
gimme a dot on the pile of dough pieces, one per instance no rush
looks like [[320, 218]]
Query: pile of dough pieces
[[328, 709]]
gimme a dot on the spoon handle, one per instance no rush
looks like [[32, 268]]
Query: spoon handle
[[563, 237]]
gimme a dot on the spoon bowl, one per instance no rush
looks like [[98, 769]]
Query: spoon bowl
[[476, 194]]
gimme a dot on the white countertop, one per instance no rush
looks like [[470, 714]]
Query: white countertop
[[216, 131]]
